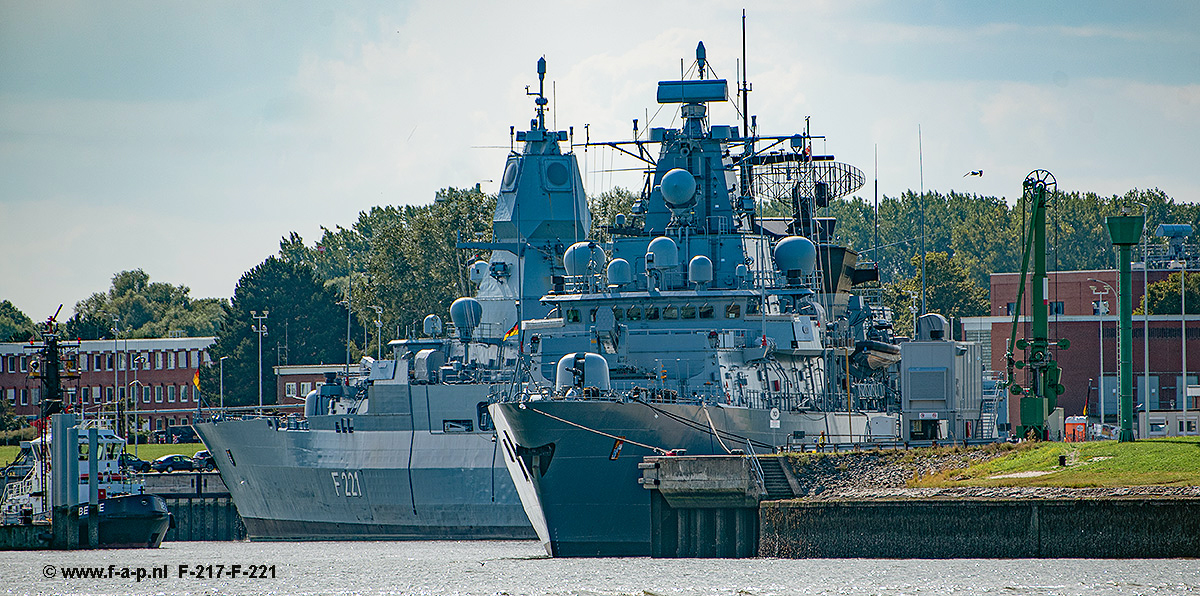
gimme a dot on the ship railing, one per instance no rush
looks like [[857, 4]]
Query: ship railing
[[583, 284], [784, 400], [719, 224], [21, 487]]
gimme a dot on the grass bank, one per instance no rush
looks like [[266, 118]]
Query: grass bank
[[1162, 462]]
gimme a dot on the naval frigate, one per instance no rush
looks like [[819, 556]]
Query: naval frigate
[[405, 449], [702, 328]]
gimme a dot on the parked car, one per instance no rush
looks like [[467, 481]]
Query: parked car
[[133, 463], [203, 460], [172, 463]]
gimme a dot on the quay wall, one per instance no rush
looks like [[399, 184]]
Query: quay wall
[[1001, 528]]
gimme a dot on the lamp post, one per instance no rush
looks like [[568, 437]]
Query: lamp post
[[1102, 309], [378, 331], [116, 328], [1176, 235], [135, 387], [221, 362], [260, 327]]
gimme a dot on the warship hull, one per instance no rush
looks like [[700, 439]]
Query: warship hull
[[369, 476], [580, 486]]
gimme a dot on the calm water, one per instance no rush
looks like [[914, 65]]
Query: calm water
[[514, 568]]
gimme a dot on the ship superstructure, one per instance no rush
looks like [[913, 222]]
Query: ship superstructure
[[703, 328], [404, 448]]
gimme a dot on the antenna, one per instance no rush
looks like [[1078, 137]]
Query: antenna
[[921, 169]]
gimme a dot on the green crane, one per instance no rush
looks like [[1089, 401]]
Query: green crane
[[1040, 397]]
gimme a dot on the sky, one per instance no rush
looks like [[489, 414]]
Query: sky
[[186, 138]]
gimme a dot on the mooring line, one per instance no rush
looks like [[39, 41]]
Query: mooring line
[[657, 450]]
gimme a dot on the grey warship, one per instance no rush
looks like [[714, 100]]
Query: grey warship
[[404, 448], [702, 328]]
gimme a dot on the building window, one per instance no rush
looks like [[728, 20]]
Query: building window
[[121, 361], [12, 397], [85, 393], [145, 395], [289, 390], [24, 364], [84, 359], [158, 394], [158, 424], [170, 394], [305, 388], [158, 361], [24, 397], [170, 360], [122, 392], [170, 422], [109, 362], [108, 394], [1009, 308], [146, 361], [183, 393], [1057, 308], [183, 359], [185, 421]]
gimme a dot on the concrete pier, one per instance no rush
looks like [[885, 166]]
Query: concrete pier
[[717, 506]]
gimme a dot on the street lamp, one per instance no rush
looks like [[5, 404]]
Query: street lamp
[[261, 329], [135, 388], [1175, 234], [222, 364], [1101, 309]]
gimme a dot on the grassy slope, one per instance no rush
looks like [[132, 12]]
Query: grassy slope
[[1174, 461]]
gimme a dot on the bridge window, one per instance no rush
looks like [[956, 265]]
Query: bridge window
[[687, 312], [670, 312], [733, 311], [706, 311], [651, 313], [618, 313], [634, 313], [572, 315]]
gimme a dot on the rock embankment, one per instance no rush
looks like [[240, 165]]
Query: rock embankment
[[887, 474]]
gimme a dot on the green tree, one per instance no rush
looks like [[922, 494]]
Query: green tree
[[1163, 296], [303, 312], [949, 291], [605, 207], [145, 309], [14, 324]]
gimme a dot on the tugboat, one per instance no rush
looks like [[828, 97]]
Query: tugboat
[[128, 518], [404, 448], [704, 328]]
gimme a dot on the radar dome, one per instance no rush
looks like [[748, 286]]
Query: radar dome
[[796, 253], [678, 188], [700, 269], [433, 325], [662, 254], [583, 258], [466, 313], [619, 272]]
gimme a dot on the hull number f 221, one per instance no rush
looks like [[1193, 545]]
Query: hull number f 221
[[346, 483]]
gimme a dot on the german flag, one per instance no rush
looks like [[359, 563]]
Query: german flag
[[512, 332]]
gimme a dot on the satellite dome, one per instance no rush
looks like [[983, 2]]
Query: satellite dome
[[619, 272], [583, 258], [433, 325], [662, 254], [796, 254], [466, 313], [678, 188], [700, 269], [619, 220]]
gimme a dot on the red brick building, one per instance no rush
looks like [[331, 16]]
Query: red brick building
[[1084, 310], [156, 373]]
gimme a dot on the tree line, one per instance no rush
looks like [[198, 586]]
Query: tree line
[[398, 264]]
